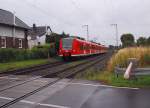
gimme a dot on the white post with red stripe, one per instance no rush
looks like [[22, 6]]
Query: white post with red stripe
[[133, 63], [128, 71]]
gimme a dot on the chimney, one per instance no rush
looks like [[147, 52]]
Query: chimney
[[34, 27]]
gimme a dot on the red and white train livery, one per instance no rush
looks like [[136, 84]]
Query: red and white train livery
[[73, 47]]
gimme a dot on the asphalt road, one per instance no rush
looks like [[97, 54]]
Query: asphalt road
[[74, 94]]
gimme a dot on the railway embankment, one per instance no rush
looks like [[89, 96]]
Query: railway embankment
[[108, 75], [8, 66]]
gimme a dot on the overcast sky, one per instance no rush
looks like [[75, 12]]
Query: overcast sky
[[132, 16]]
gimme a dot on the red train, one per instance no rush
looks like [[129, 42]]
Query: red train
[[74, 47]]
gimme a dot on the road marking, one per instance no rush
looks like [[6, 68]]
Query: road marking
[[8, 78], [34, 103], [96, 85], [41, 81], [6, 98], [50, 105]]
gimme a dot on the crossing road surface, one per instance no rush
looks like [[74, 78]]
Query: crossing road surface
[[77, 94]]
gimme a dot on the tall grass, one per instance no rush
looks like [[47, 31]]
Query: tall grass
[[121, 57]]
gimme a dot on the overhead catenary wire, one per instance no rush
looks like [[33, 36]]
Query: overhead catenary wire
[[58, 20], [82, 12]]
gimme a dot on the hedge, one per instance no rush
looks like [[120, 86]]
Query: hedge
[[10, 54]]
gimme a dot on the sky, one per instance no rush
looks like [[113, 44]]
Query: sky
[[131, 16]]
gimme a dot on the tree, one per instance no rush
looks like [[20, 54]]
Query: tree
[[148, 41], [63, 34], [142, 41], [127, 40]]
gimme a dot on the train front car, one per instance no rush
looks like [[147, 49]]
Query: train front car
[[75, 48], [66, 48]]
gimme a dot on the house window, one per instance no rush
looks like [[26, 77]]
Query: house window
[[3, 42], [20, 43]]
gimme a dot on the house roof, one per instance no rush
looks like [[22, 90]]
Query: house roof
[[38, 31], [7, 18]]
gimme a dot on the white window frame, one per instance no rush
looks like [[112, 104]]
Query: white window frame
[[3, 38], [20, 45]]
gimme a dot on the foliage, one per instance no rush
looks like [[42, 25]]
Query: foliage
[[55, 37], [53, 40], [122, 56], [127, 40], [148, 41], [147, 59], [10, 54], [142, 41], [111, 79]]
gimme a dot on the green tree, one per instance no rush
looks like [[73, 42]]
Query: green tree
[[141, 41], [148, 41], [127, 40]]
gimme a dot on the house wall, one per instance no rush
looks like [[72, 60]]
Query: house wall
[[42, 40], [9, 42], [6, 31], [19, 33], [32, 43]]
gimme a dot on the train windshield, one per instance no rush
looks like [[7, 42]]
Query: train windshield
[[67, 43]]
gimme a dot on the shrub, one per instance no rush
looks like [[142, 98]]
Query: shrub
[[10, 54], [121, 57], [147, 59], [40, 51], [7, 55]]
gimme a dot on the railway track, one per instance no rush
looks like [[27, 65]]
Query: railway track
[[50, 72], [60, 74]]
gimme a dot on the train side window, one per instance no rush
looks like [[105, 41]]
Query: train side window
[[81, 47]]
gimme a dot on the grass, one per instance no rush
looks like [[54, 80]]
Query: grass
[[141, 53], [21, 64], [112, 79], [120, 58], [109, 78]]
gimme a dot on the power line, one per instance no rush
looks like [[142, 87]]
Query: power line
[[48, 14], [82, 12]]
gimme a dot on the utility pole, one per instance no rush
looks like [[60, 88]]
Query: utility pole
[[116, 27], [87, 29], [14, 22]]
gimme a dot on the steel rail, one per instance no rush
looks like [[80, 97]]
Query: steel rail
[[49, 74], [49, 84]]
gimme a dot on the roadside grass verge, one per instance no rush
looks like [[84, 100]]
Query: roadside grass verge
[[112, 79], [109, 78], [21, 64]]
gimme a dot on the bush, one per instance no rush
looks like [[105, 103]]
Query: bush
[[10, 54], [147, 59], [121, 57]]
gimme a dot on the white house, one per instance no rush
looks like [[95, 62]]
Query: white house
[[13, 31], [37, 35]]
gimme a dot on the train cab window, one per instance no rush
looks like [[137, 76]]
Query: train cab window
[[67, 43]]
